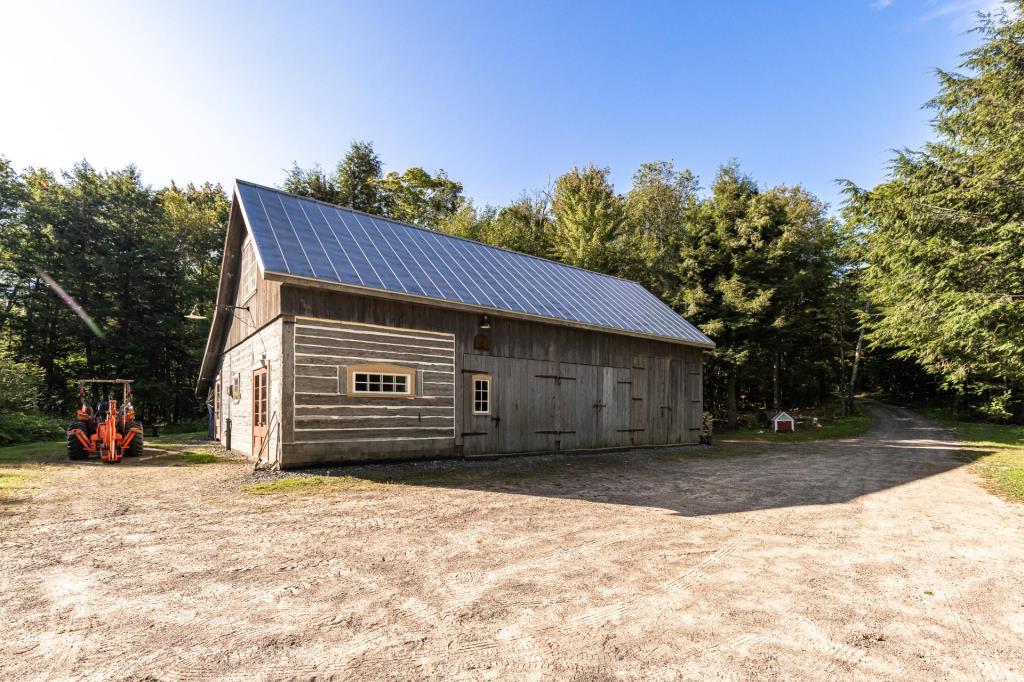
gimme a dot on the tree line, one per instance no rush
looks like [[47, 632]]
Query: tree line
[[758, 269], [915, 288]]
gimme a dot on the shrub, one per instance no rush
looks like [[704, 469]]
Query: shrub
[[20, 386], [20, 427], [999, 407]]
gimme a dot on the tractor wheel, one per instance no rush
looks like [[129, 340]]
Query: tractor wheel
[[135, 447], [75, 448]]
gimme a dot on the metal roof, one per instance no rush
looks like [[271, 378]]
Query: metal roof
[[298, 237]]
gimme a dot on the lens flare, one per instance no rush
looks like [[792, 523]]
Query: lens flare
[[72, 303]]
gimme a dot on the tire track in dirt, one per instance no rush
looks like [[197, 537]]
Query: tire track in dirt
[[840, 652], [957, 606], [968, 634], [484, 581], [509, 651]]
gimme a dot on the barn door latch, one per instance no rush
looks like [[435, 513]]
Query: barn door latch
[[558, 378]]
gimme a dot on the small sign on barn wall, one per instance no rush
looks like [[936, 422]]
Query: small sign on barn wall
[[783, 423]]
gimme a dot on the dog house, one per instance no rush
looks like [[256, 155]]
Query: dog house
[[783, 423]]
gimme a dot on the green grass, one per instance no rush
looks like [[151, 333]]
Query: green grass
[[14, 479], [194, 458], [16, 463], [308, 484], [997, 450], [29, 453], [841, 427], [175, 438]]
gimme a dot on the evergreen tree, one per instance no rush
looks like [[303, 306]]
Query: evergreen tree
[[312, 182], [755, 271], [588, 217], [946, 249], [655, 215], [357, 179], [135, 260]]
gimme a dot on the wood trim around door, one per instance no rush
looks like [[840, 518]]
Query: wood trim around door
[[216, 410], [260, 406]]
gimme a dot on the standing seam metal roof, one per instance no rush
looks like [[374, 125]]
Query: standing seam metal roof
[[302, 237]]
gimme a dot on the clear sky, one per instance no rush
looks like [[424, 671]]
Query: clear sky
[[504, 96]]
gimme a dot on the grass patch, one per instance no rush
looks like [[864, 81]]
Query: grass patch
[[842, 427], [309, 484], [170, 439], [33, 453], [1001, 461], [194, 458], [16, 463], [997, 450], [14, 479]]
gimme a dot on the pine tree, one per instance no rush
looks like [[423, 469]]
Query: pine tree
[[655, 220], [357, 178], [946, 250], [588, 216]]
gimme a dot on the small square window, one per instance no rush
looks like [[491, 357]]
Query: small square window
[[481, 394]]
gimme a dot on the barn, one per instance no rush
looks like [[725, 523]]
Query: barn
[[340, 336]]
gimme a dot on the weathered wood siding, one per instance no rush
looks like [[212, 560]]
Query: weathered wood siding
[[329, 423], [242, 360], [544, 406], [263, 303], [553, 387]]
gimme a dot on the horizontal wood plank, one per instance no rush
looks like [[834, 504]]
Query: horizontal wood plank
[[316, 384], [374, 344], [356, 410], [374, 421], [316, 370], [338, 435], [304, 353], [389, 335], [304, 399]]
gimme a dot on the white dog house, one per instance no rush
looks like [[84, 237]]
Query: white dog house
[[783, 423]]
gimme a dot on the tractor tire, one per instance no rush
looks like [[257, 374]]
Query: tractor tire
[[134, 448], [75, 448]]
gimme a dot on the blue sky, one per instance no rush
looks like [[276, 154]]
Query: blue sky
[[503, 96]]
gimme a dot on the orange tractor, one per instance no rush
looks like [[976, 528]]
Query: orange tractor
[[109, 430]]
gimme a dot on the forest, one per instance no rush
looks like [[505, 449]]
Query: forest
[[912, 288]]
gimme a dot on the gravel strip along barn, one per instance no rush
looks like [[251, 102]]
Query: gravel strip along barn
[[342, 336]]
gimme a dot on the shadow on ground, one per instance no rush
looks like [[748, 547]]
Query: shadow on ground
[[902, 447]]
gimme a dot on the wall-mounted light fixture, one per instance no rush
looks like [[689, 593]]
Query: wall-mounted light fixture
[[485, 323]]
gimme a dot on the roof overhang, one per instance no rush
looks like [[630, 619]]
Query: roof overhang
[[225, 293]]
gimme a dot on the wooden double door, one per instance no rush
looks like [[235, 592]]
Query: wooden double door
[[539, 406]]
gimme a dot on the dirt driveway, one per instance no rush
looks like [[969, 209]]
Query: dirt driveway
[[873, 558]]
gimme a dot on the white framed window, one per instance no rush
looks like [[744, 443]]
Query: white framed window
[[367, 382], [382, 380], [481, 394]]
